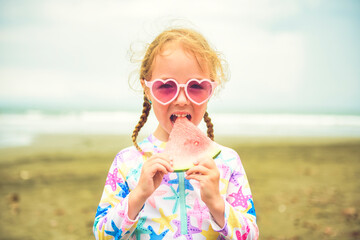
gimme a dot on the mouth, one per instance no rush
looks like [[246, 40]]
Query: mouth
[[173, 117]]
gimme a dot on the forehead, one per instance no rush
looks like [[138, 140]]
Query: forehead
[[176, 61]]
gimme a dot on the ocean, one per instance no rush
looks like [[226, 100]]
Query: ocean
[[19, 129]]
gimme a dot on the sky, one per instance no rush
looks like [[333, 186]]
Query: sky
[[289, 56]]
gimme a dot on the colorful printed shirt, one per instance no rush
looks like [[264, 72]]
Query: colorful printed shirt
[[175, 210]]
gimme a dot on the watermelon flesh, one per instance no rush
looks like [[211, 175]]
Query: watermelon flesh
[[188, 143]]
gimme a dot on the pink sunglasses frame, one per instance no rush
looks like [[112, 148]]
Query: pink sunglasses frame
[[149, 84]]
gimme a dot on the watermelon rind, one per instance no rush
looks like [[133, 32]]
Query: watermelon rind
[[214, 155]]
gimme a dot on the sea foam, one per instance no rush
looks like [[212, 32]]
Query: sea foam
[[19, 129]]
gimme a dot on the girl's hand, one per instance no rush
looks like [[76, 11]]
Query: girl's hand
[[152, 173], [208, 175]]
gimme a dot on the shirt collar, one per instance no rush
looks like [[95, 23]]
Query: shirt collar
[[158, 144]]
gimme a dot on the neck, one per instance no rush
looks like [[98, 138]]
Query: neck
[[161, 134]]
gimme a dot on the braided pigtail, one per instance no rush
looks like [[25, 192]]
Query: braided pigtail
[[209, 125], [143, 118]]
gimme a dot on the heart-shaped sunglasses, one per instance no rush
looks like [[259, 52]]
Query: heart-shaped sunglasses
[[166, 91]]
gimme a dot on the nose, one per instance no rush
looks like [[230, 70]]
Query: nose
[[181, 99]]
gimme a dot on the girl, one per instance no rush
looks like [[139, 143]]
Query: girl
[[143, 197]]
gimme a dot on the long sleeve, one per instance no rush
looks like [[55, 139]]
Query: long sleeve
[[175, 210], [240, 216], [111, 220]]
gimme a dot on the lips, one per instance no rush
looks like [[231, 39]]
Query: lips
[[173, 117]]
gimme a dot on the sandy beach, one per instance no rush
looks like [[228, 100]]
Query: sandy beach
[[303, 188]]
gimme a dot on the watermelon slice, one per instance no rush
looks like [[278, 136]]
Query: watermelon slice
[[188, 143]]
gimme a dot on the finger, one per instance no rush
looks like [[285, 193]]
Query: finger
[[160, 161], [196, 177], [163, 156], [208, 163], [198, 170], [160, 157], [167, 165], [205, 161], [158, 168]]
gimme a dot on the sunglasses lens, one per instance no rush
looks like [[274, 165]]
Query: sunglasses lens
[[199, 91], [164, 91]]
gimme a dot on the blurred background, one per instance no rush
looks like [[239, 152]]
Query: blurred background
[[69, 100]]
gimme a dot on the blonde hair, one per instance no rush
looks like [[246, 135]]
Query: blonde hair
[[194, 42]]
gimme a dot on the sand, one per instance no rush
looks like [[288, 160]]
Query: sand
[[302, 188]]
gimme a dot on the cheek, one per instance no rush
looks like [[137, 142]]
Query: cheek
[[199, 112], [158, 110], [161, 113]]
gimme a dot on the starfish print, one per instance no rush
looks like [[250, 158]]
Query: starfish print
[[226, 183], [225, 169], [234, 219], [166, 180], [240, 236], [121, 213], [252, 209], [124, 190], [164, 221], [230, 159], [152, 139], [157, 193], [140, 228], [210, 233], [162, 145], [176, 197], [127, 154], [101, 234], [99, 214], [199, 212], [158, 149], [116, 233], [108, 197], [240, 199], [187, 183], [124, 169], [112, 179], [135, 172], [154, 236], [234, 178], [190, 229], [96, 223], [156, 143], [101, 211], [120, 155], [102, 222]]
